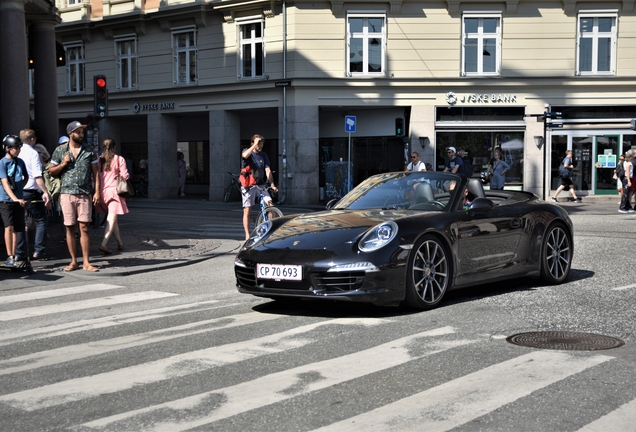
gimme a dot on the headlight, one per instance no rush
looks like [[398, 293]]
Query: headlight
[[378, 237], [259, 233]]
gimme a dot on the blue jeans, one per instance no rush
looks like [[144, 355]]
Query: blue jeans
[[37, 211], [625, 205]]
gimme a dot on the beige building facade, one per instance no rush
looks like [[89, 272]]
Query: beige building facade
[[329, 84]]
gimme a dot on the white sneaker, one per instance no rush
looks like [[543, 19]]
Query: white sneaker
[[10, 262], [622, 211]]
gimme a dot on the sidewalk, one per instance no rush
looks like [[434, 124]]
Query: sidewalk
[[149, 247]]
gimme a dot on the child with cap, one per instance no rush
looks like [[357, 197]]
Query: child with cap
[[13, 174]]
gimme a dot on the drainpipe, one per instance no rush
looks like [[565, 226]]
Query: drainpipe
[[283, 194]]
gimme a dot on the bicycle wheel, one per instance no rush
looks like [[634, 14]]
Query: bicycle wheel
[[270, 213], [227, 193]]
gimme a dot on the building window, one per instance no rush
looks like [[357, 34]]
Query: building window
[[126, 51], [481, 45], [73, 2], [596, 45], [184, 44], [252, 55], [74, 68], [366, 38]]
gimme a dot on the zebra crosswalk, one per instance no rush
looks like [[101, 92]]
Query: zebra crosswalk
[[167, 364]]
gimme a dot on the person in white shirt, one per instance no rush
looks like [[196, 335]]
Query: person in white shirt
[[36, 196], [416, 164]]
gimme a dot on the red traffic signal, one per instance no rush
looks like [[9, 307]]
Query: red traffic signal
[[100, 96]]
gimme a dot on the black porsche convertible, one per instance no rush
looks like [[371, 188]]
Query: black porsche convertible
[[407, 237]]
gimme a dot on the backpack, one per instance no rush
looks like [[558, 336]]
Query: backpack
[[247, 177], [620, 170], [563, 171]]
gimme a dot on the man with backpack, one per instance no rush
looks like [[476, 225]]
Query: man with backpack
[[565, 172], [255, 158]]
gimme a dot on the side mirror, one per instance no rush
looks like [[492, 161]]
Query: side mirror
[[331, 203], [481, 204]]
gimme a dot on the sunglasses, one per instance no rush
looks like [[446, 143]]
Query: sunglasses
[[450, 152], [413, 157]]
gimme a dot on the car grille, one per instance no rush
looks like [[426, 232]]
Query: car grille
[[338, 282], [322, 281]]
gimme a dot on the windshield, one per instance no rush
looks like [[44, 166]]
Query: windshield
[[428, 191]]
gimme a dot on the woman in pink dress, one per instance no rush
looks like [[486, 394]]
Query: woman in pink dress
[[111, 166]]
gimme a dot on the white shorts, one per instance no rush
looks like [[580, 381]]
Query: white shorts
[[251, 195]]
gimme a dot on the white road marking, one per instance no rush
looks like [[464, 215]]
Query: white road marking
[[108, 321], [620, 420], [459, 401], [171, 367], [624, 287], [56, 293], [76, 352], [82, 304], [270, 389]]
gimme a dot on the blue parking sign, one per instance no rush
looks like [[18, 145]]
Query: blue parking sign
[[350, 123]]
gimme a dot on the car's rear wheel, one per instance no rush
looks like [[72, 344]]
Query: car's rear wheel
[[556, 255], [428, 273]]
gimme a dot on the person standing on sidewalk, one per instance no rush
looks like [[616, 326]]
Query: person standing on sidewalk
[[111, 167], [76, 163], [13, 175], [566, 177], [36, 195], [181, 172], [628, 165], [416, 164]]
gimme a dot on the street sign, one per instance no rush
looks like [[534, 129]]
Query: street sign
[[282, 84], [350, 123]]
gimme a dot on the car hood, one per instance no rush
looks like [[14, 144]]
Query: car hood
[[327, 229]]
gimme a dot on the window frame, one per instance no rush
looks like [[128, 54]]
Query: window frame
[[480, 36], [595, 36], [253, 42], [71, 3], [78, 63], [188, 50], [132, 63], [366, 37]]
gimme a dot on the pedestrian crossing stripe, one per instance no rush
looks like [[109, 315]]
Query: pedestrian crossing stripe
[[620, 420], [171, 367], [39, 295]]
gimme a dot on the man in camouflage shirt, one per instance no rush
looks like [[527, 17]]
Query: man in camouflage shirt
[[76, 163]]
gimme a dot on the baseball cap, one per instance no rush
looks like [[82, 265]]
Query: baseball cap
[[73, 125], [451, 149], [63, 139]]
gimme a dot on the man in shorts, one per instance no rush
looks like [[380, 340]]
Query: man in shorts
[[255, 157], [13, 174], [76, 164]]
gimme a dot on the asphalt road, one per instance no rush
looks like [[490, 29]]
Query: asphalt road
[[180, 349]]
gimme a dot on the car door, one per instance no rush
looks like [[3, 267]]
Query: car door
[[486, 242]]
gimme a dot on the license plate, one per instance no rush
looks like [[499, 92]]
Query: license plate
[[279, 272]]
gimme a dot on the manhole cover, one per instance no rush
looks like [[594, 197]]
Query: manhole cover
[[563, 340]]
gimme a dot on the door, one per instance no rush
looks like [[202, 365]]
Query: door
[[606, 152]]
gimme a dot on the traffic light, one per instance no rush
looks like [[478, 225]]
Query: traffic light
[[100, 96], [399, 127]]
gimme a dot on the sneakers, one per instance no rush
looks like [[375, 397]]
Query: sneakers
[[630, 211], [578, 200], [10, 262], [622, 211], [553, 199]]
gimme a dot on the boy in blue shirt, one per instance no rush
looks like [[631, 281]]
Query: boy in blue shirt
[[13, 175]]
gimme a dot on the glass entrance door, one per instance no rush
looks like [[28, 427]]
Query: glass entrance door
[[607, 150]]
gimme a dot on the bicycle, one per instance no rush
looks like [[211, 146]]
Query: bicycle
[[142, 187], [228, 190], [266, 213]]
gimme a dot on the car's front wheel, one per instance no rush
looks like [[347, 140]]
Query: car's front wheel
[[428, 273], [556, 255]]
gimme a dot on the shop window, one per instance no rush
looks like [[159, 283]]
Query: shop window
[[480, 148], [74, 68], [596, 44], [481, 44], [197, 158], [127, 57], [184, 45], [252, 46], [366, 41]]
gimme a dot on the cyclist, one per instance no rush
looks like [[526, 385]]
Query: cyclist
[[255, 157]]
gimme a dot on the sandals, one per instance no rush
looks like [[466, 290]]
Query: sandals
[[71, 267], [90, 268], [105, 250], [120, 247]]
